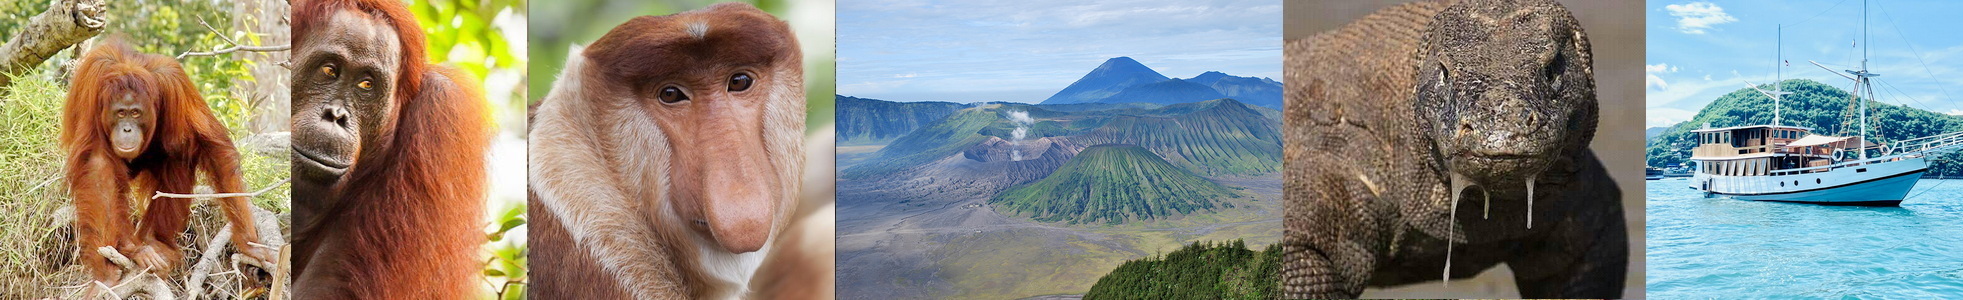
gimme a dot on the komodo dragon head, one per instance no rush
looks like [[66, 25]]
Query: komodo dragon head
[[1504, 89]]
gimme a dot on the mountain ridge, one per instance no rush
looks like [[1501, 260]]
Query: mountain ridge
[[1124, 80], [1107, 79], [1114, 184]]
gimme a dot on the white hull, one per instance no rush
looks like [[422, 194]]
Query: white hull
[[1878, 183]]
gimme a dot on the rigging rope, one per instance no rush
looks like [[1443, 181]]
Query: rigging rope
[[1911, 49]]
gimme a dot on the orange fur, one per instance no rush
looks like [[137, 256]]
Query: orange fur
[[185, 138], [403, 222]]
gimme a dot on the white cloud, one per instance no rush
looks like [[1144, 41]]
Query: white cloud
[[1695, 17], [1650, 78], [1660, 116], [1700, 91]]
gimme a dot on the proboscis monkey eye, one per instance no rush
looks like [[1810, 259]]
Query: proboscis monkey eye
[[672, 95], [740, 82]]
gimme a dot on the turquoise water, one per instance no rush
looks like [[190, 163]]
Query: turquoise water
[[1726, 248]]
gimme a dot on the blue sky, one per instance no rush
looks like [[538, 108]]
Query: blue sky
[[1698, 50], [1024, 51]]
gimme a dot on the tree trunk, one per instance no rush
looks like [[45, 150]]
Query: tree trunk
[[66, 23]]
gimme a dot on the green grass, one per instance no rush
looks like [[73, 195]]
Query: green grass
[[34, 247]]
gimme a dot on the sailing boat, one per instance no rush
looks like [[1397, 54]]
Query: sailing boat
[[1791, 164]]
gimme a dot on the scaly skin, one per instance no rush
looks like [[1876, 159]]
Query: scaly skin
[[1392, 114]]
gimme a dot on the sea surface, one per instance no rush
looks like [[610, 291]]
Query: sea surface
[[1701, 248]]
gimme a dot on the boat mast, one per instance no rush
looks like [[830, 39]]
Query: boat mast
[[1778, 91], [1864, 81]]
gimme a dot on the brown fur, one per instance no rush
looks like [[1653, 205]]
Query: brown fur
[[184, 139], [637, 198], [403, 222]]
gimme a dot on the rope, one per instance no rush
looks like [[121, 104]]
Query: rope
[[1911, 49], [1931, 188], [1823, 12]]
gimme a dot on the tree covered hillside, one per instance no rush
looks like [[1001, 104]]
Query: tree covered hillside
[[1198, 271]]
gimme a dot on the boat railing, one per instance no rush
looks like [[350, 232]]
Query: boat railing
[[1839, 165], [1935, 144]]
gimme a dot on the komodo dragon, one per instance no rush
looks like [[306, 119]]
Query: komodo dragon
[[1439, 139]]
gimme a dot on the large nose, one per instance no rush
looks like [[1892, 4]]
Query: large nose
[[739, 183]]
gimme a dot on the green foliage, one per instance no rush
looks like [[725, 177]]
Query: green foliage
[[1815, 105], [460, 33], [1115, 184], [1202, 270], [506, 270]]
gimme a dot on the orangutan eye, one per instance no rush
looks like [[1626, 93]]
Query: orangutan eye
[[330, 71], [366, 85]]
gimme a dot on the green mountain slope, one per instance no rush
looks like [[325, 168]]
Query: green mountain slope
[[1114, 184], [944, 137], [1216, 137], [862, 120], [1812, 104], [1197, 271]]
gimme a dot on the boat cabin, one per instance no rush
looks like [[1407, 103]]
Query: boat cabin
[[1760, 150]]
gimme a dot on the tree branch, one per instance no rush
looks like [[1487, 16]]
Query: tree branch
[[222, 195], [236, 49], [235, 45], [66, 23], [139, 282]]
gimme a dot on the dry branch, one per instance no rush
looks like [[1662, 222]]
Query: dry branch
[[222, 195], [235, 45], [210, 260], [66, 23], [140, 282]]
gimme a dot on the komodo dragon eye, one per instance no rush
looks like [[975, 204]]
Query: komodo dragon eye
[[1555, 67]]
